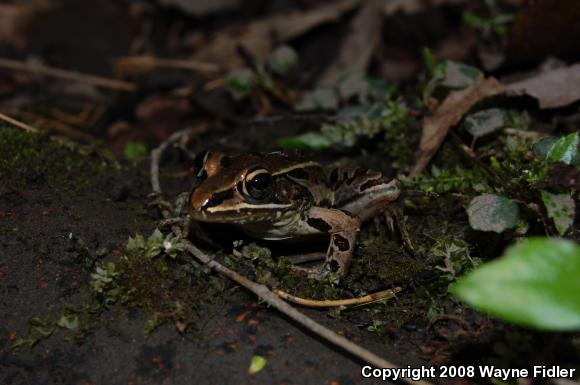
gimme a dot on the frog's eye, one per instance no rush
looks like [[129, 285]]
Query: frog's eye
[[258, 184]]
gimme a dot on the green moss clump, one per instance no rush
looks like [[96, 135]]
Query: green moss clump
[[149, 276], [29, 157]]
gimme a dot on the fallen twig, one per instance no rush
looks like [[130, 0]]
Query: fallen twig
[[385, 294], [149, 63], [19, 124], [261, 290], [60, 127], [63, 141], [67, 75]]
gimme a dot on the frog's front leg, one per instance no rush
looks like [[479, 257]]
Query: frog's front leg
[[342, 228]]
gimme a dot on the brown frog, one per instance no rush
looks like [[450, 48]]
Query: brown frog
[[275, 196]]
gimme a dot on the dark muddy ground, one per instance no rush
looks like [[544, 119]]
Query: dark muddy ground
[[42, 273]]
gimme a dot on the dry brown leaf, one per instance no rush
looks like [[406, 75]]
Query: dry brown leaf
[[13, 20], [449, 113], [259, 37], [288, 27], [202, 7], [413, 6], [553, 89], [357, 49]]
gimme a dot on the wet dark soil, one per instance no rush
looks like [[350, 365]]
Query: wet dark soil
[[44, 271]]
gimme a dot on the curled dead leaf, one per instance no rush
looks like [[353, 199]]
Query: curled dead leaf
[[260, 36], [553, 89], [450, 112], [413, 6], [13, 21], [357, 49]]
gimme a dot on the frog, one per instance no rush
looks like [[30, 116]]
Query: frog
[[283, 196]]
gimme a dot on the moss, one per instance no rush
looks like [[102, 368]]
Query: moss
[[33, 158], [149, 276]]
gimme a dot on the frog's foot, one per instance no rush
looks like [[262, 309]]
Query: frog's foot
[[342, 228], [181, 204], [180, 221], [394, 218]]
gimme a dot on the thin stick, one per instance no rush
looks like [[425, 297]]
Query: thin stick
[[385, 294], [261, 290], [19, 124], [50, 124], [63, 141], [67, 75], [152, 62]]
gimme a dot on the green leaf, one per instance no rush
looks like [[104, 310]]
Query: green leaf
[[429, 59], [543, 146], [283, 60], [490, 212], [309, 140], [134, 151], [39, 329], [258, 363], [561, 209], [70, 322], [239, 83], [534, 284], [485, 122], [565, 149], [149, 327], [472, 20], [458, 75]]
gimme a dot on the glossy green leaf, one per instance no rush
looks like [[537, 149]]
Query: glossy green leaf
[[534, 284], [543, 146], [561, 209], [309, 140], [258, 363], [565, 149], [490, 212]]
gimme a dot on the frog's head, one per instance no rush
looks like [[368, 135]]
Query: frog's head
[[241, 189]]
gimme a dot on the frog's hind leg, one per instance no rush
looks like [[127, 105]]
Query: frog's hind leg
[[342, 228], [367, 194], [394, 218], [364, 193]]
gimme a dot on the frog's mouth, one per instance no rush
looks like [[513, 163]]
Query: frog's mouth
[[243, 213]]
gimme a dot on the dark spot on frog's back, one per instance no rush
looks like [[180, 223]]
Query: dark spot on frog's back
[[217, 198], [318, 224], [341, 242], [298, 173]]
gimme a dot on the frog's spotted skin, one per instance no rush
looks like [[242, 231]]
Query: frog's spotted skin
[[274, 196]]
